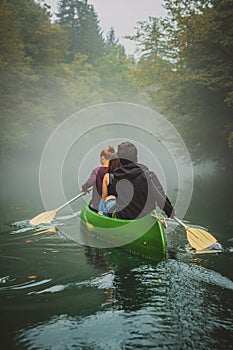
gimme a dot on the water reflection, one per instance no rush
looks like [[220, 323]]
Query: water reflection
[[171, 305], [89, 298]]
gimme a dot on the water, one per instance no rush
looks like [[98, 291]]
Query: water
[[56, 294]]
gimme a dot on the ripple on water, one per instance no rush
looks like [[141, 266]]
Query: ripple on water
[[26, 285], [112, 329], [173, 305], [169, 306], [104, 281]]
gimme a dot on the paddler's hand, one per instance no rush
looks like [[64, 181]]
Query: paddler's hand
[[173, 214], [85, 191]]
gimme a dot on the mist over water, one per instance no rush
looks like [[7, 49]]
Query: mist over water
[[73, 149], [56, 293]]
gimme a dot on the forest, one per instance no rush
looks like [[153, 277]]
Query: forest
[[51, 69]]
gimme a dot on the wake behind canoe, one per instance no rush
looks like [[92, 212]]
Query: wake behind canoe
[[143, 236]]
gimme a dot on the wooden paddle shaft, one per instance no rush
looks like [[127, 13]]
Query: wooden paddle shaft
[[70, 201], [73, 199], [180, 222]]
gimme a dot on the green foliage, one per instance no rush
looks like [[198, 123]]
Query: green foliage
[[11, 45], [82, 25], [79, 87], [230, 140], [186, 67], [113, 46], [115, 70], [45, 77], [117, 81], [112, 41]]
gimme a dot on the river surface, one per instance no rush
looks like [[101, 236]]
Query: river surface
[[57, 294]]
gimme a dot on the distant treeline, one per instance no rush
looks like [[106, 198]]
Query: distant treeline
[[49, 70], [187, 69]]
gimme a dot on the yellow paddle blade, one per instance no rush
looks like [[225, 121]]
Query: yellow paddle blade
[[43, 218], [198, 238]]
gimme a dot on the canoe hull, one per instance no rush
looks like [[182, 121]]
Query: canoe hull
[[144, 236]]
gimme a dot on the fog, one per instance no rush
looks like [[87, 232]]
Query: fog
[[53, 170]]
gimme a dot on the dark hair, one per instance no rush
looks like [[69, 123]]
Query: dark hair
[[127, 152], [114, 163], [107, 152]]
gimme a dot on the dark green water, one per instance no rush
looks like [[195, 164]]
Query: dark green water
[[56, 294]]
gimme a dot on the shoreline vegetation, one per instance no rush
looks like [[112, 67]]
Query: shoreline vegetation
[[51, 69]]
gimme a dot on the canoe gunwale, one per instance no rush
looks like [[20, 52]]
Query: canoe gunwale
[[150, 244]]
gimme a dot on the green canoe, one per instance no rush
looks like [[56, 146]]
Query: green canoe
[[143, 236]]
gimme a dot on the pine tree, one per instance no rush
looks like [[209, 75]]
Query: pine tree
[[82, 25], [113, 46]]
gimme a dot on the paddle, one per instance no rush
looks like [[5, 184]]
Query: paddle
[[47, 216], [198, 238]]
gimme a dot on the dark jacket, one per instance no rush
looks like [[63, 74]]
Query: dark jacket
[[138, 190]]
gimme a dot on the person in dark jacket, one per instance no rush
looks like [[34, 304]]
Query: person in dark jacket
[[138, 189]]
